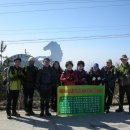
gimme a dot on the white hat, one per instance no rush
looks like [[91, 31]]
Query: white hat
[[31, 59], [124, 57]]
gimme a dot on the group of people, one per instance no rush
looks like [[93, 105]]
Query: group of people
[[47, 79]]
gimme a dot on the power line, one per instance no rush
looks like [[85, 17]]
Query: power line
[[76, 38], [56, 2], [62, 31], [35, 2], [59, 9], [66, 28], [42, 3]]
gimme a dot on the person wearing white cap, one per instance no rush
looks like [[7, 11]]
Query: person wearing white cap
[[123, 74], [30, 73]]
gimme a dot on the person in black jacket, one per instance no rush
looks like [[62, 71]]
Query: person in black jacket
[[81, 73], [95, 75], [44, 83], [57, 73], [30, 73], [108, 73]]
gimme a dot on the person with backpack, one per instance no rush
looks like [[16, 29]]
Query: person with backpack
[[15, 78], [69, 77], [123, 75]]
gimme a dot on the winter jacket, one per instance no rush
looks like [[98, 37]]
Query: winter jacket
[[69, 78], [30, 73], [82, 77], [123, 74], [45, 78], [15, 77], [108, 76], [95, 77], [57, 74]]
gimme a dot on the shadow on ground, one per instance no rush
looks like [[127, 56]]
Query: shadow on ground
[[112, 121]]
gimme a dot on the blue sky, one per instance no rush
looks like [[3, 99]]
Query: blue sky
[[68, 18]]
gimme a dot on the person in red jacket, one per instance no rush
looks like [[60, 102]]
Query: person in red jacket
[[69, 77]]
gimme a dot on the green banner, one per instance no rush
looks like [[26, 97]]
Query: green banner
[[80, 100]]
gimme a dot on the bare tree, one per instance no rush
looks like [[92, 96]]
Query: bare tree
[[2, 49]]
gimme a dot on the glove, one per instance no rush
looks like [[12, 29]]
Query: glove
[[20, 77], [103, 81], [83, 80], [5, 81], [70, 78], [99, 78], [127, 75], [93, 79]]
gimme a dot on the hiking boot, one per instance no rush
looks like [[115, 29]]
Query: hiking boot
[[107, 111], [120, 110], [9, 117], [41, 114], [26, 110], [48, 114], [15, 114], [27, 114], [31, 113]]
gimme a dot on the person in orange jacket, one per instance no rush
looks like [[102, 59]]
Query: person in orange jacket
[[69, 77]]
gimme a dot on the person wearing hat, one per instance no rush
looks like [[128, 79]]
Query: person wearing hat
[[69, 77], [123, 75], [108, 75], [95, 75], [44, 81], [15, 77], [81, 74], [30, 73]]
